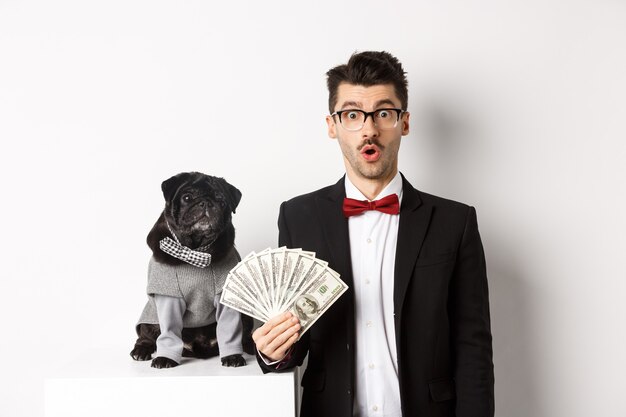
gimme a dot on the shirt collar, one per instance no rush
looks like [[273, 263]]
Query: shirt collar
[[394, 187]]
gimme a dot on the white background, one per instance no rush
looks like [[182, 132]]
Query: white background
[[517, 107]]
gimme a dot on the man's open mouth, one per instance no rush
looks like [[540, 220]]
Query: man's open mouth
[[370, 153]]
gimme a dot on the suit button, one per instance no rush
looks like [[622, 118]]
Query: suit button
[[348, 346], [349, 392]]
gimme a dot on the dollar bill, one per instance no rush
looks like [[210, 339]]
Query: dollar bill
[[301, 266], [316, 298], [236, 288], [255, 273], [273, 281], [305, 271], [291, 257], [277, 257], [241, 275], [233, 300], [264, 260]]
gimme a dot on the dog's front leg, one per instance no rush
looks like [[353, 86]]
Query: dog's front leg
[[170, 311], [229, 334], [146, 341]]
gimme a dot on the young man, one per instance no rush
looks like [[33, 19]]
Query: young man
[[411, 337]]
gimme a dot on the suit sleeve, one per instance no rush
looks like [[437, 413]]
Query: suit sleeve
[[299, 350], [471, 326]]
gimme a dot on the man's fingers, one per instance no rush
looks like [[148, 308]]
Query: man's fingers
[[281, 328], [273, 345], [270, 324], [278, 342], [277, 335], [282, 350]]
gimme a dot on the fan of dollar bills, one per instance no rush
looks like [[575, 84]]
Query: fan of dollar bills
[[273, 281]]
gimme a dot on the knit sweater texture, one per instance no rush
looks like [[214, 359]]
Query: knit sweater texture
[[200, 288]]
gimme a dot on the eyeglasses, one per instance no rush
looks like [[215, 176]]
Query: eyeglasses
[[354, 120]]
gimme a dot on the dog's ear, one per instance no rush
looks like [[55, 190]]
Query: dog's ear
[[232, 194], [171, 185]]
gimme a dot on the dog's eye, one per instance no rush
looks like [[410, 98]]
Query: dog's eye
[[186, 198]]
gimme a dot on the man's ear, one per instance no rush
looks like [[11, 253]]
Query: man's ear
[[332, 127], [232, 194], [171, 185], [405, 123]]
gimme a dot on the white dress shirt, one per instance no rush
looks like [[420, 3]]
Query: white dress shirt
[[373, 237]]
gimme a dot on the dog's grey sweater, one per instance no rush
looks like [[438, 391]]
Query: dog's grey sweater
[[191, 293]]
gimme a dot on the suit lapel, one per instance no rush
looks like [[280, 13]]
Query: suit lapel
[[414, 221], [336, 233], [335, 228]]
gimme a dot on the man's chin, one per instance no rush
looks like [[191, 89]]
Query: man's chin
[[373, 172]]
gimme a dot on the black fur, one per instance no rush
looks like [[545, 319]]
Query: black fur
[[200, 342], [233, 360], [198, 209], [208, 194], [163, 362]]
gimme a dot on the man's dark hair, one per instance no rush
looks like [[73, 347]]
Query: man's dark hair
[[368, 68]]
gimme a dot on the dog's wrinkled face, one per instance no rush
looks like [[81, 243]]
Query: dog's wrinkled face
[[198, 207]]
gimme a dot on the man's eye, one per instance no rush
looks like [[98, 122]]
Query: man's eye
[[383, 114], [353, 115]]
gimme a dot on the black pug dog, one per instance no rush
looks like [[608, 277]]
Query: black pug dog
[[193, 249]]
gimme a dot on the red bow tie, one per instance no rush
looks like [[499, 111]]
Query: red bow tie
[[389, 205]]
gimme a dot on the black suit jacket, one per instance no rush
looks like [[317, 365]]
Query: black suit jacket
[[441, 307]]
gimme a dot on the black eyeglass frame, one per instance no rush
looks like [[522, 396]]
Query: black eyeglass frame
[[371, 113]]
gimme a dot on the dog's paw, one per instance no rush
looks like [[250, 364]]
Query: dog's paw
[[233, 360], [142, 353], [163, 362]]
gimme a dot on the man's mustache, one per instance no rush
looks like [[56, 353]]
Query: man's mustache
[[370, 142]]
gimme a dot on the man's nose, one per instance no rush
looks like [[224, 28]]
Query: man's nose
[[369, 129]]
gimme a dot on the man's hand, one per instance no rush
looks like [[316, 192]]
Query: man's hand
[[275, 337]]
